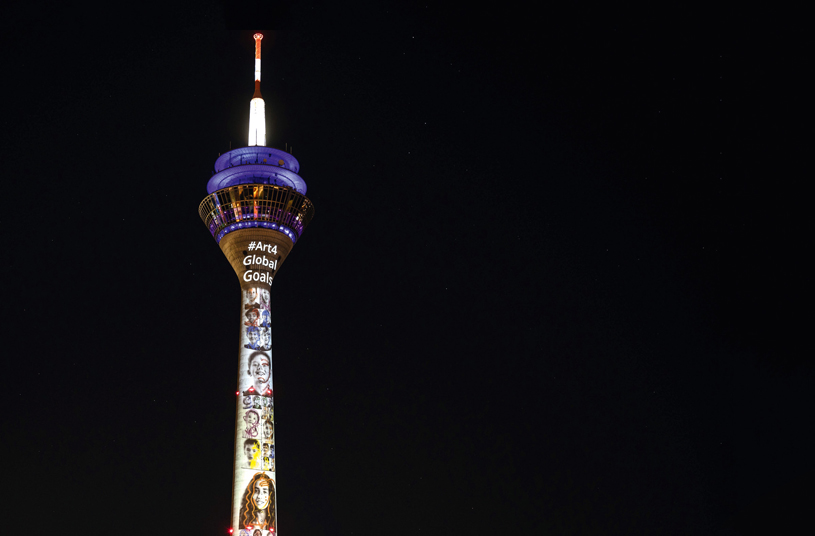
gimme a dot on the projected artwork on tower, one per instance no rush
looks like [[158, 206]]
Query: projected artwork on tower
[[254, 452], [256, 210], [258, 504]]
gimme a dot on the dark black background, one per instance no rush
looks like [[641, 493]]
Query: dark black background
[[554, 284]]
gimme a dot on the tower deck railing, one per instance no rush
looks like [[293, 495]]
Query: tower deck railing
[[256, 202]]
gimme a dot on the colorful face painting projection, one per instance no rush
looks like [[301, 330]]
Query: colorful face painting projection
[[258, 504], [257, 433], [255, 448]]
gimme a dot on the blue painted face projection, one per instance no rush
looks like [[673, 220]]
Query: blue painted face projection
[[253, 336], [258, 338]]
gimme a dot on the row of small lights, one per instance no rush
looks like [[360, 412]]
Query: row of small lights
[[216, 219], [249, 527], [251, 389], [275, 181], [267, 225], [280, 163]]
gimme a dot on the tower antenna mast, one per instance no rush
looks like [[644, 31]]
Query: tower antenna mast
[[257, 107]]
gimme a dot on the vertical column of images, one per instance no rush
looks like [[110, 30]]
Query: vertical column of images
[[256, 451]]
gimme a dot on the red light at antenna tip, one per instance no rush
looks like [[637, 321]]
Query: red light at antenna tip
[[258, 36]]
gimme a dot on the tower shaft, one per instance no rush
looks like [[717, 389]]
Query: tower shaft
[[258, 252], [255, 254]]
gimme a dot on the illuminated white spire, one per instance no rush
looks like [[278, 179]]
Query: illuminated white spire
[[257, 108]]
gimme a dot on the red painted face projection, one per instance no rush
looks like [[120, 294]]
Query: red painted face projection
[[257, 507]]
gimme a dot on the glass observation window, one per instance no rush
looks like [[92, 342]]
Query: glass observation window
[[256, 205]]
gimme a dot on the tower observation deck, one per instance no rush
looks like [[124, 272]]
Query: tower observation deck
[[256, 210]]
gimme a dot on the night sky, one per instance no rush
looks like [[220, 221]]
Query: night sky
[[554, 283]]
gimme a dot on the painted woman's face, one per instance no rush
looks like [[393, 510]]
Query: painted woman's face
[[251, 418], [261, 495], [264, 294], [251, 295]]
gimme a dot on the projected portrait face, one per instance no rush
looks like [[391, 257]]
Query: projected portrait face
[[252, 336], [251, 295], [264, 298], [257, 507], [251, 448], [251, 418], [259, 369], [252, 317], [261, 494], [265, 339], [265, 319], [268, 429]]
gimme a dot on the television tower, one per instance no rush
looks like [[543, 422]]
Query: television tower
[[256, 210]]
